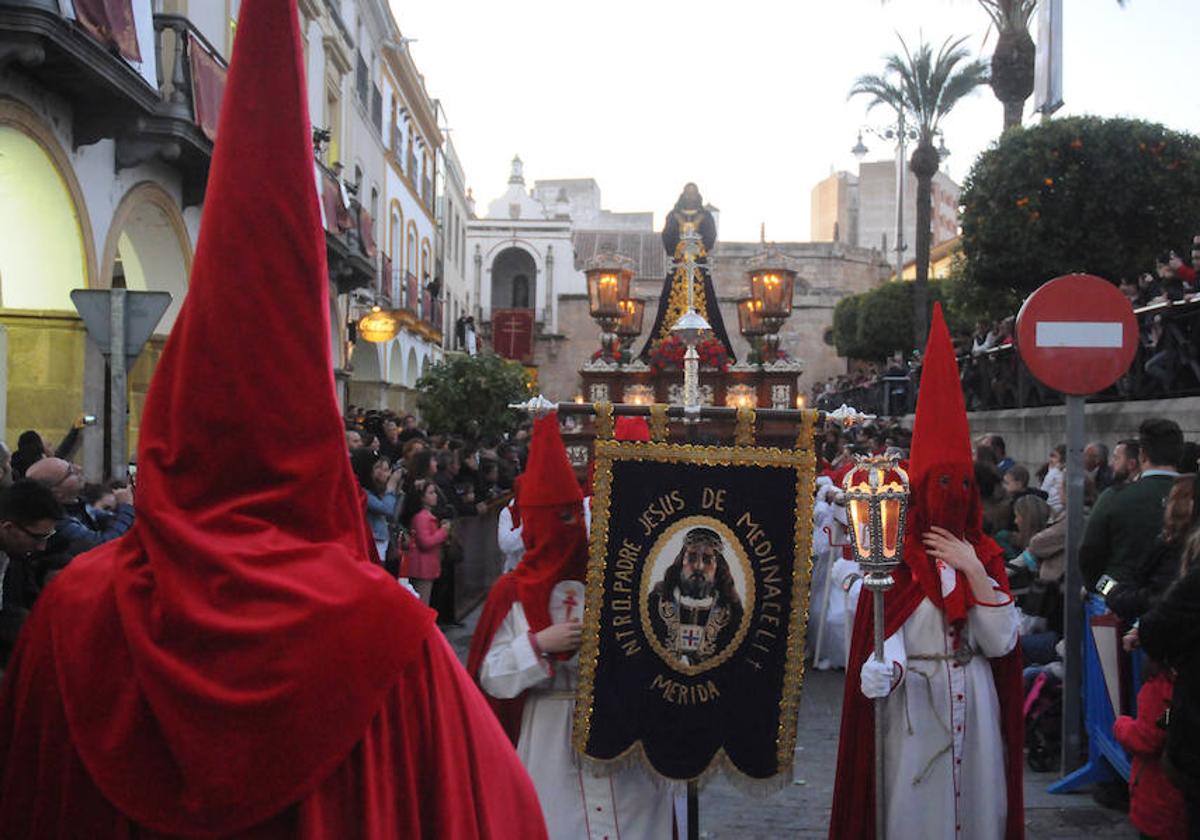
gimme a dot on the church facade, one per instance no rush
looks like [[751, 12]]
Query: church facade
[[529, 248]]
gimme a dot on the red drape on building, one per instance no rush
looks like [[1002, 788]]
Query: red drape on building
[[208, 86], [366, 231], [512, 334], [385, 278], [111, 23]]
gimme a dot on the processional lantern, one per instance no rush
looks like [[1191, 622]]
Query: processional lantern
[[876, 493], [609, 275], [750, 319], [772, 282], [633, 311]]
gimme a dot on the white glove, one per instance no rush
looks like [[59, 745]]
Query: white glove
[[876, 678]]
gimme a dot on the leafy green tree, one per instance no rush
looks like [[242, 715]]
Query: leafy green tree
[[469, 395], [923, 88], [875, 324], [1102, 196]]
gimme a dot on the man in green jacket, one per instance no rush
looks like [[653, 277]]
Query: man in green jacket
[[1126, 518]]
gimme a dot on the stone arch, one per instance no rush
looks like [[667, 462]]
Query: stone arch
[[395, 373], [148, 241], [41, 205], [366, 362], [412, 371], [514, 279]]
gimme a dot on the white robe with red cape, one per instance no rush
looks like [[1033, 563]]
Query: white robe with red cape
[[577, 803], [944, 752]]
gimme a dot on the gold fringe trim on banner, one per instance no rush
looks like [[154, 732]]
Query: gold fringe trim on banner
[[808, 428], [604, 420], [803, 460], [659, 424]]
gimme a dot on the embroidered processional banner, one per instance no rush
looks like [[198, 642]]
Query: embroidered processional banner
[[696, 603]]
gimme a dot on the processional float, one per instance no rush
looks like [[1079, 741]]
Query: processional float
[[686, 685]]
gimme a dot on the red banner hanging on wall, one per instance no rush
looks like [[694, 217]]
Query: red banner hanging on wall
[[512, 334], [111, 23], [208, 86]]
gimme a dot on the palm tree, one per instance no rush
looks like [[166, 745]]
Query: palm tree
[[1015, 56], [923, 88]]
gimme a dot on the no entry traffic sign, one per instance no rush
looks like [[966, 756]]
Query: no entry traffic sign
[[1077, 334]]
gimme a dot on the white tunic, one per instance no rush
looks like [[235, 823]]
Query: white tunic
[[577, 804], [944, 754]]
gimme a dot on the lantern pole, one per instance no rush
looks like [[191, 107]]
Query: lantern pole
[[871, 547], [877, 588]]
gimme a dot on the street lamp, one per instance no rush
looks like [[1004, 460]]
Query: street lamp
[[876, 493], [378, 326], [900, 135]]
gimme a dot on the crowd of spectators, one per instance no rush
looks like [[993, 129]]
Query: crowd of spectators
[[1141, 539], [417, 484], [1166, 301], [48, 516]]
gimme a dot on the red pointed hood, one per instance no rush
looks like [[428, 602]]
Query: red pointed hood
[[552, 524], [549, 479], [941, 469], [257, 641], [943, 493]]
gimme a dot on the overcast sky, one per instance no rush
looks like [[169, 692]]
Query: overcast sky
[[746, 98]]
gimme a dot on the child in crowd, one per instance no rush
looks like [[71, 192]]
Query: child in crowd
[[1156, 807]]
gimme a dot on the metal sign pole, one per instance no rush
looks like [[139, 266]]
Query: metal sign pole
[[118, 418], [1072, 740]]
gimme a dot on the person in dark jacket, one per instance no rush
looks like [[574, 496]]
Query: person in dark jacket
[[1125, 519], [1159, 567], [77, 531]]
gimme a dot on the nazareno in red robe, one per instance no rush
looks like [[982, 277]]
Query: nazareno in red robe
[[235, 665], [943, 494]]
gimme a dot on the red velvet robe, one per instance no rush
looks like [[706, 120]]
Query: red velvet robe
[[432, 763]]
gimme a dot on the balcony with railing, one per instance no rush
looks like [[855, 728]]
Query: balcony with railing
[[349, 235], [93, 63]]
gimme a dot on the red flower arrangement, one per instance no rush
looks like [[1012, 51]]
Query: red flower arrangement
[[765, 355], [668, 355], [612, 353]]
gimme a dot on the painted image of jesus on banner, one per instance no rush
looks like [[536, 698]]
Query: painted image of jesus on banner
[[695, 609]]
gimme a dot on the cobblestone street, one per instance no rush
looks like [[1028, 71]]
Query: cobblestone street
[[802, 809]]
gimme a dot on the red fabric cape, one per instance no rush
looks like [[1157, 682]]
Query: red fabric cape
[[853, 814], [499, 603], [224, 657], [431, 763]]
